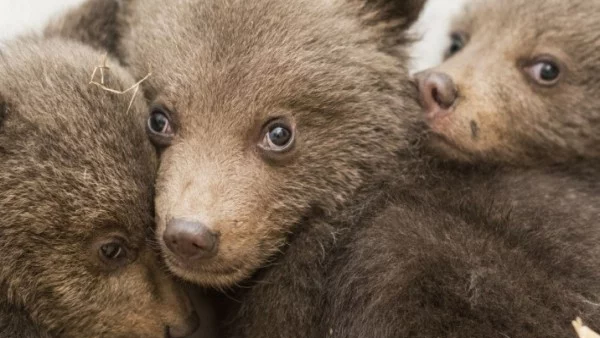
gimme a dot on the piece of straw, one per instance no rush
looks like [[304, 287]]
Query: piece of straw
[[135, 87], [584, 331]]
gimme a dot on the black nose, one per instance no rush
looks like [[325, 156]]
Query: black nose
[[190, 240], [438, 93], [185, 329]]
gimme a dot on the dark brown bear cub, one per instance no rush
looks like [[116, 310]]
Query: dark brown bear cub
[[76, 178], [519, 85], [476, 254]]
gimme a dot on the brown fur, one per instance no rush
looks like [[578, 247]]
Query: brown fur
[[96, 23], [342, 237], [521, 122], [495, 254], [230, 67], [75, 169], [224, 69]]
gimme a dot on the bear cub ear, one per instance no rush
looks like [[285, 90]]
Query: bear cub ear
[[405, 12], [98, 23]]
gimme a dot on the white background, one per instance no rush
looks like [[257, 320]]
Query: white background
[[26, 15]]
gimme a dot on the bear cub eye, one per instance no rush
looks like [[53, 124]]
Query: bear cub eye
[[544, 72], [458, 41], [278, 136], [113, 253], [160, 127]]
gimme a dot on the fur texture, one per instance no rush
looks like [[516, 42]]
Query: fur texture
[[518, 120], [312, 63], [497, 254], [76, 172], [352, 232], [96, 23]]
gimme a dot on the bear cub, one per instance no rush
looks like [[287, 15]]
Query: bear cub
[[76, 180], [290, 178], [272, 118], [519, 84]]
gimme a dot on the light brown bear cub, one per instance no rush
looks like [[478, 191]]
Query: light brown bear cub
[[76, 179], [519, 85]]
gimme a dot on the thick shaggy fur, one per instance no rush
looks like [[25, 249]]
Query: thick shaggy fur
[[76, 170], [499, 254], [501, 114], [352, 233]]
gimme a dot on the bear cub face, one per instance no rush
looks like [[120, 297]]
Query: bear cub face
[[76, 177], [519, 84], [267, 113]]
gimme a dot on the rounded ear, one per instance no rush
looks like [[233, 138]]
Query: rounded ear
[[99, 23]]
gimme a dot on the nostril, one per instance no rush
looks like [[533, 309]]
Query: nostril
[[436, 95], [446, 92], [201, 247], [439, 93]]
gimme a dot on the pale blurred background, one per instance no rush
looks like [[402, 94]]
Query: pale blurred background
[[29, 15], [25, 15], [433, 29]]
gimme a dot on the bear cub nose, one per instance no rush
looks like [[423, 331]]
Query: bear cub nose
[[438, 93], [190, 240]]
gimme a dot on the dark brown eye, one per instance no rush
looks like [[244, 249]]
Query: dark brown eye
[[458, 41], [113, 253], [160, 127], [159, 123], [278, 136], [544, 72]]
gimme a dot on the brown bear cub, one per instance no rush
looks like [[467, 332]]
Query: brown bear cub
[[76, 179], [273, 118], [290, 177], [519, 85], [495, 255]]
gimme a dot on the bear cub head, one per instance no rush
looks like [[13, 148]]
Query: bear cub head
[[76, 203], [519, 84], [267, 114]]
